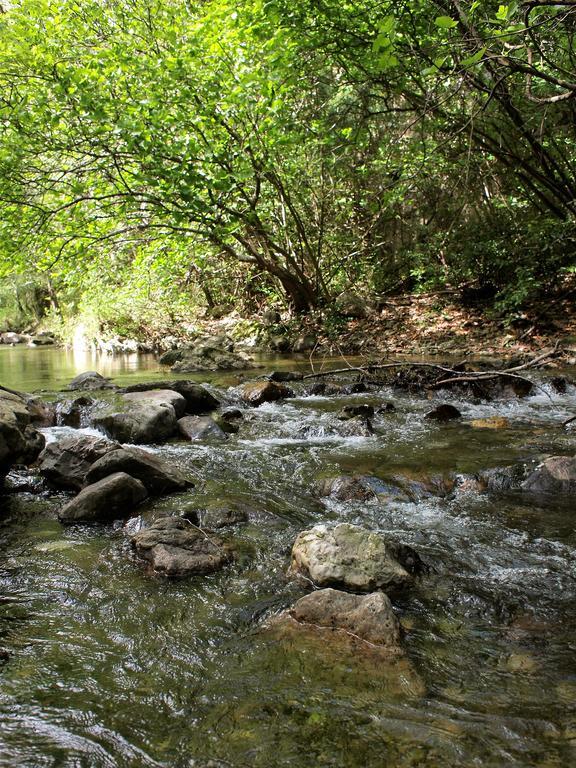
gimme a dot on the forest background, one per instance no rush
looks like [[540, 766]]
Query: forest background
[[164, 161]]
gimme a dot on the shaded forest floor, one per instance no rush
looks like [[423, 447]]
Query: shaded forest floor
[[436, 324], [425, 325]]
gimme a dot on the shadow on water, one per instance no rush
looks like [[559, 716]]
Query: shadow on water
[[108, 666]]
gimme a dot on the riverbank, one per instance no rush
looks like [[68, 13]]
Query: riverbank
[[433, 324]]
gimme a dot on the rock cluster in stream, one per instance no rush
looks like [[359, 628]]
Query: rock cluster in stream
[[352, 570]]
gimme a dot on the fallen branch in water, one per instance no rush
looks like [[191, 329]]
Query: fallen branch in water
[[454, 375], [568, 421]]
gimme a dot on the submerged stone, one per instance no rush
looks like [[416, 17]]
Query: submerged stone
[[492, 422], [175, 547], [369, 617]]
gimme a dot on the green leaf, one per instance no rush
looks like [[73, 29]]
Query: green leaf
[[474, 59], [445, 22]]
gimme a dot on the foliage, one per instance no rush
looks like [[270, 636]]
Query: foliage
[[159, 155]]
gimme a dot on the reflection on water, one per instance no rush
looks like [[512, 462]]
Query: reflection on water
[[109, 667], [33, 368]]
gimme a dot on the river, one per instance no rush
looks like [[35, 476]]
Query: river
[[107, 666]]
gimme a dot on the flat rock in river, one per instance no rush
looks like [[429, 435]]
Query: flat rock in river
[[113, 497], [160, 397], [348, 557], [90, 380], [368, 617], [157, 475], [175, 547]]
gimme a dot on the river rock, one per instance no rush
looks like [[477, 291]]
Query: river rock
[[357, 426], [502, 479], [198, 398], [554, 475], [201, 428], [223, 516], [174, 547], [41, 341], [212, 354], [232, 414], [90, 380], [304, 343], [279, 342], [160, 397], [354, 388], [157, 475], [65, 462], [230, 427], [171, 356], [351, 411], [444, 412], [346, 488], [348, 557], [113, 497], [42, 414], [142, 423], [13, 338], [72, 413], [257, 392], [369, 617], [20, 442], [386, 408]]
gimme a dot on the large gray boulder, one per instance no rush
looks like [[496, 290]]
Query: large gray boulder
[[201, 428], [141, 423], [556, 474], [159, 397], [65, 462], [175, 547], [368, 617], [158, 476], [113, 497], [348, 557]]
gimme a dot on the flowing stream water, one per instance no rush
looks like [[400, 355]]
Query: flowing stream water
[[108, 666]]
